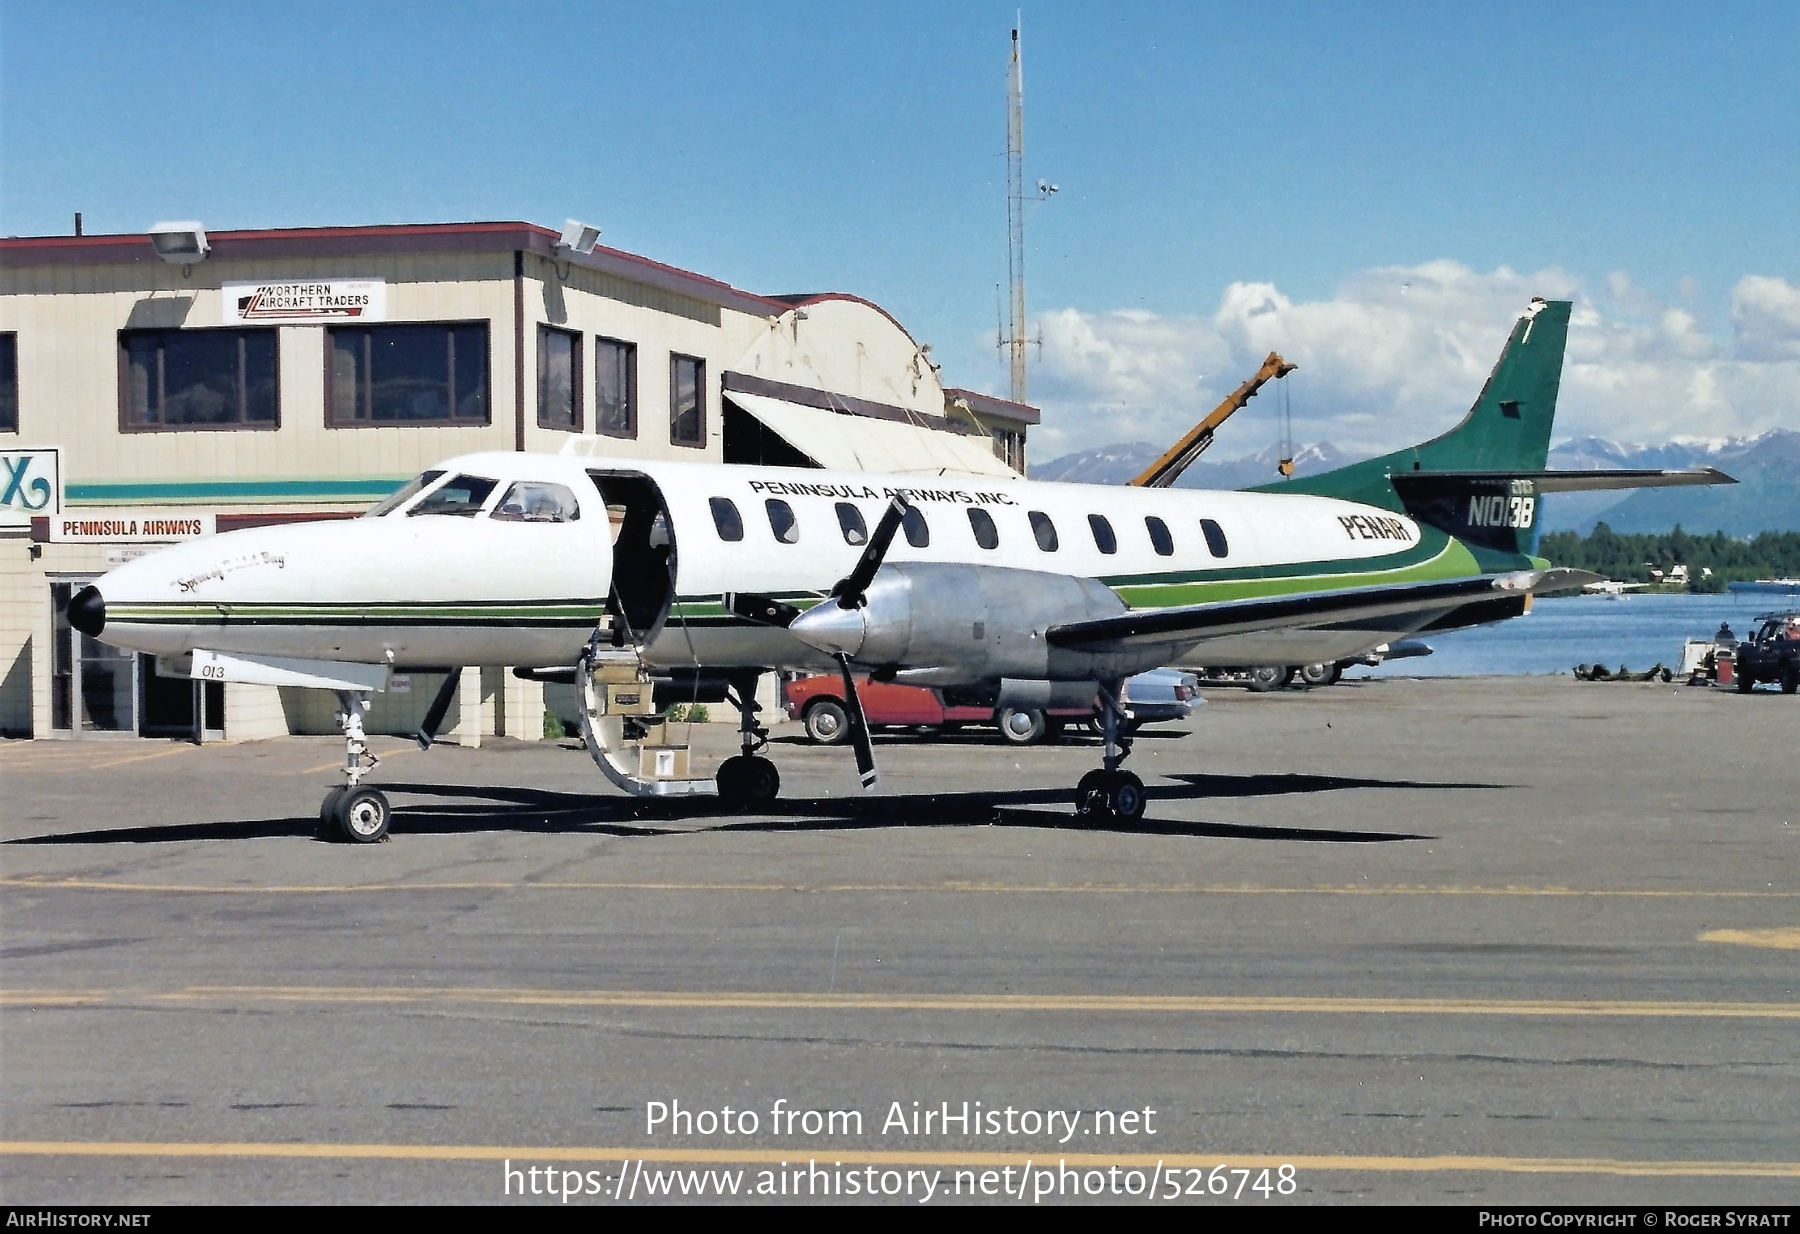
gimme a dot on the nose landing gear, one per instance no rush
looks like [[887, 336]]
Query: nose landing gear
[[352, 812], [1109, 793]]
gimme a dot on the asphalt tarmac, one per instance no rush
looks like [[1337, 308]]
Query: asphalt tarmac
[[1498, 941]]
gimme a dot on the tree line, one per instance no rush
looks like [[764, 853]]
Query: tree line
[[1629, 558]]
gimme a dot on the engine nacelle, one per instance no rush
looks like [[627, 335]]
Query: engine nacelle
[[943, 623]]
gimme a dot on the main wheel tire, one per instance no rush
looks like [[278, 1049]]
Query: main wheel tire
[[1126, 796], [1021, 727], [1790, 679], [745, 780], [1745, 682], [364, 815], [1269, 677], [1318, 674], [1093, 804], [328, 828], [827, 722]]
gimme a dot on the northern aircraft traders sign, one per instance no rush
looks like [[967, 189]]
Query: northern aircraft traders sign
[[303, 302]]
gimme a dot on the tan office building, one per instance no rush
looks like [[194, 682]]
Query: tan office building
[[251, 377]]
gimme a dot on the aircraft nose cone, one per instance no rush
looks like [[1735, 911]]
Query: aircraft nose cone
[[87, 611], [833, 630]]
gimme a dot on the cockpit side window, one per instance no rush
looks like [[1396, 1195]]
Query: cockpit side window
[[464, 495], [535, 501], [405, 493]]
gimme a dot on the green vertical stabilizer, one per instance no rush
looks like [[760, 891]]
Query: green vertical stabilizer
[[1508, 428]]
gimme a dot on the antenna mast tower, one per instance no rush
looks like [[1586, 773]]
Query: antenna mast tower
[[1015, 216]]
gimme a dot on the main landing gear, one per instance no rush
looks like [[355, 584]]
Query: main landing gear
[[1109, 793], [746, 781], [353, 812]]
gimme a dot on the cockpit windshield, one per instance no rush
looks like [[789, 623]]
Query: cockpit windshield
[[405, 493], [535, 501], [464, 495]]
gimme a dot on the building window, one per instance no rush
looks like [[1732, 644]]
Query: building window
[[1160, 539], [615, 388], [9, 383], [1044, 530], [559, 379], [1009, 448], [198, 379], [982, 524], [687, 401], [1104, 540], [426, 374]]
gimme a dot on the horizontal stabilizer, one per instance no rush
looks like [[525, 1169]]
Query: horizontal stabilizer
[[284, 671], [1192, 625], [1565, 481]]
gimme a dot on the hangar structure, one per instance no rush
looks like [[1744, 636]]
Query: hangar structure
[[175, 384]]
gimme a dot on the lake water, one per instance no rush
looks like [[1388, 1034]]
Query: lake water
[[1561, 632]]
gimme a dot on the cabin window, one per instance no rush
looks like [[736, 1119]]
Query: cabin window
[[9, 383], [782, 521], [982, 524], [1104, 539], [917, 533], [405, 493], [535, 501], [687, 401], [615, 388], [559, 380], [1215, 538], [197, 379], [464, 495], [850, 521], [726, 520], [424, 374], [1044, 530], [1160, 539]]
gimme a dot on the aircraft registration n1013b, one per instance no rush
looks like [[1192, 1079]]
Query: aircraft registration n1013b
[[618, 574]]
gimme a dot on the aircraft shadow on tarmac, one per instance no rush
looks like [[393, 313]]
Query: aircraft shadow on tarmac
[[452, 809]]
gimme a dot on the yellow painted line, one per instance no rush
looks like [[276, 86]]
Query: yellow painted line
[[1787, 939], [800, 1000], [337, 764], [142, 758], [946, 1160], [952, 887]]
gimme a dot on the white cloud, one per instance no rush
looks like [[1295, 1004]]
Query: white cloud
[[1400, 352]]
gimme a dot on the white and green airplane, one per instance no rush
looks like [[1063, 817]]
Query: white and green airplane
[[1007, 592]]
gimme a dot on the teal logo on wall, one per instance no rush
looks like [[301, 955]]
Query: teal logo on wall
[[30, 485]]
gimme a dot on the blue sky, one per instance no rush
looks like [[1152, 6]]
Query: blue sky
[[1644, 159]]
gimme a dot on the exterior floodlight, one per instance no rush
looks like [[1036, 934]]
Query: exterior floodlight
[[180, 243], [578, 237]]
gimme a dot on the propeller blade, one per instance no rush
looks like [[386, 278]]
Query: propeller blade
[[859, 730], [849, 590], [763, 610], [428, 731]]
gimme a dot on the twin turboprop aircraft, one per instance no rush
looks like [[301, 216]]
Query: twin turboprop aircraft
[[623, 575]]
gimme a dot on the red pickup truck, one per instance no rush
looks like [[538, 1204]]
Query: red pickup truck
[[818, 702]]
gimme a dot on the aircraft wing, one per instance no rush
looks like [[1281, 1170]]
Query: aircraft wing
[[1194, 624]]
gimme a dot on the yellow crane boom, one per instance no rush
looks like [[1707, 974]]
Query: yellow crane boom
[[1175, 460]]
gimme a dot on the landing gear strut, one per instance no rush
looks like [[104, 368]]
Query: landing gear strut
[[353, 812], [746, 781], [1109, 792]]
